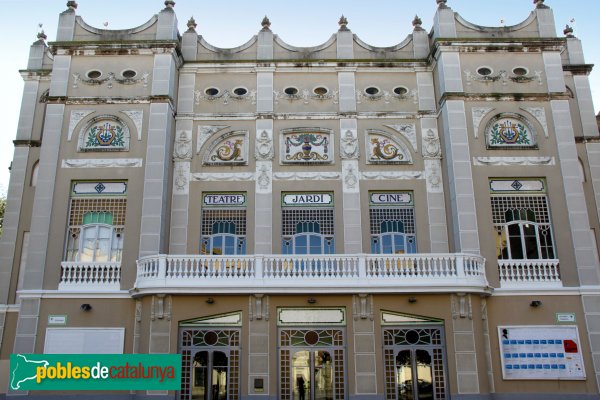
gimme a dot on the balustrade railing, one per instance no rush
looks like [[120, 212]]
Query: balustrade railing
[[533, 273], [90, 276]]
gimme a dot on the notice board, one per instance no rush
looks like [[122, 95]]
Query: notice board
[[541, 352]]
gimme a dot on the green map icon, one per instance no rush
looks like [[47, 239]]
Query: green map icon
[[23, 369]]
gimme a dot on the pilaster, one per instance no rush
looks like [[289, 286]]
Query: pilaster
[[465, 347], [160, 329], [351, 186], [263, 206], [259, 345], [365, 359], [347, 85]]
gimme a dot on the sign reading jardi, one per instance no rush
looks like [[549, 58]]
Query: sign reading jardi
[[95, 371]]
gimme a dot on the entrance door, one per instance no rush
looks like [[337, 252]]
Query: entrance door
[[210, 375], [312, 374], [414, 375]]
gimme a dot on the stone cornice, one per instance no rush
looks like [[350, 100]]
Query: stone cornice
[[579, 69], [27, 143]]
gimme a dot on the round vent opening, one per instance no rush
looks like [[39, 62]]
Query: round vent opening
[[372, 91], [320, 91], [484, 71], [129, 74], [290, 91], [212, 91], [400, 90], [95, 74], [520, 71], [240, 91]]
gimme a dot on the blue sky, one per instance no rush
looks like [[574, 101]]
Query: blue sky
[[232, 23]]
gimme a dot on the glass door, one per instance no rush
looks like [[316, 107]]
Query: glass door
[[312, 375], [414, 375], [210, 370]]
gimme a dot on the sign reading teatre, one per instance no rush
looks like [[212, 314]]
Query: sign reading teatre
[[224, 199], [307, 199]]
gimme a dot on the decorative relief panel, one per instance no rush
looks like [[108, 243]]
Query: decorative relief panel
[[205, 132], [387, 97], [540, 114], [181, 178], [264, 177], [433, 176], [350, 176], [503, 77], [104, 133], [76, 117], [109, 80], [408, 131], [431, 144], [510, 130], [306, 146], [264, 145], [229, 149], [383, 148], [478, 114], [305, 95], [513, 161], [349, 144], [137, 116], [225, 97], [102, 163], [182, 150]]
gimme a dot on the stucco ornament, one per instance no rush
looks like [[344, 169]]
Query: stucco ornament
[[349, 144], [350, 176], [264, 176], [433, 176], [205, 132], [478, 114], [181, 179], [76, 117], [264, 145], [183, 146], [431, 144], [409, 131]]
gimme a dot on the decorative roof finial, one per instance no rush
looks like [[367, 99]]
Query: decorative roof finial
[[266, 24], [568, 31], [441, 3], [191, 24], [71, 5], [417, 22], [169, 3], [539, 4], [343, 23], [41, 35]]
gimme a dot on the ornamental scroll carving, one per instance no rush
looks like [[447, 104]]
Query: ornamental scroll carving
[[183, 146], [349, 144], [383, 148], [408, 131], [228, 149], [205, 132], [264, 145], [431, 144]]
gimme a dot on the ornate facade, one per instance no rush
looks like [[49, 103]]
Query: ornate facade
[[335, 222]]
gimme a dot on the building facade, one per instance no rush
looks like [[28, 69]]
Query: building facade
[[335, 222]]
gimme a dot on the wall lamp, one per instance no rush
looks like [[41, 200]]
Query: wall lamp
[[412, 300], [86, 307], [210, 300], [535, 303], [311, 300]]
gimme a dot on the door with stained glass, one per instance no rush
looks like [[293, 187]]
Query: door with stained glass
[[210, 375]]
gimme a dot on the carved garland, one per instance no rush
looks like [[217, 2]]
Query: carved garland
[[110, 78]]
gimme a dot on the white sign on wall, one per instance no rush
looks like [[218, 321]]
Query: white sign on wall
[[224, 199], [307, 199], [84, 341], [541, 352]]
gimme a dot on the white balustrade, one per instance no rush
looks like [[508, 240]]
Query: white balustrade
[[529, 273], [90, 276], [297, 273]]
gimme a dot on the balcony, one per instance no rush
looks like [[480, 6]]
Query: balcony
[[311, 274], [535, 274], [90, 276]]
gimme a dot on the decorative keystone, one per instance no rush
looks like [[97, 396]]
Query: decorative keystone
[[343, 23], [169, 3], [441, 3], [266, 24], [191, 24], [417, 22], [72, 5], [568, 31]]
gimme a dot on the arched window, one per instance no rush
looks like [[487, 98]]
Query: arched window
[[392, 239], [223, 240], [308, 240], [97, 239]]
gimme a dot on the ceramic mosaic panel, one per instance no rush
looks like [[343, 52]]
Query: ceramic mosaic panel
[[104, 133], [306, 146], [510, 131], [383, 148], [229, 149]]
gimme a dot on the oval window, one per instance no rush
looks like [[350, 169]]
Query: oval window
[[372, 91], [400, 90], [211, 91], [520, 71], [95, 74], [320, 91], [129, 74], [290, 91], [240, 91], [484, 71]]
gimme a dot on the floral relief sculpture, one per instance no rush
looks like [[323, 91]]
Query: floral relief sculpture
[[231, 150], [104, 133], [509, 132]]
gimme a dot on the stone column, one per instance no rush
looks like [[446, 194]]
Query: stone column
[[365, 360], [160, 330], [259, 346]]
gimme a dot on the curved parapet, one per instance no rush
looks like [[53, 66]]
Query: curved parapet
[[527, 28], [246, 51], [86, 32], [324, 51], [402, 50]]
